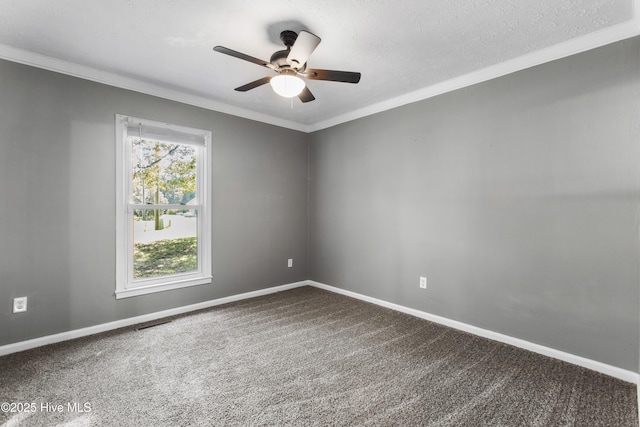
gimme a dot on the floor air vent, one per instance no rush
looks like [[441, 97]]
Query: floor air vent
[[152, 324]]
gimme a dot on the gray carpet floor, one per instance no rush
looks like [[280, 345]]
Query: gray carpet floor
[[304, 357]]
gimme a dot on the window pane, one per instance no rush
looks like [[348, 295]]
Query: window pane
[[164, 242], [162, 173]]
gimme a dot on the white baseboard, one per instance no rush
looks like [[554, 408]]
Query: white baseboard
[[612, 371], [77, 333]]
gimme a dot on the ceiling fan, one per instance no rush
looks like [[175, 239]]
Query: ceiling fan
[[290, 64]]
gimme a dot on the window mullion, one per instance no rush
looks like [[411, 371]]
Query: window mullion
[[146, 206]]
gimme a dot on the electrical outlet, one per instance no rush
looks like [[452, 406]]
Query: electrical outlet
[[19, 304], [423, 283], [290, 262]]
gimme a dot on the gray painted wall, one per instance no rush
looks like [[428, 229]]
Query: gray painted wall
[[57, 202], [517, 198]]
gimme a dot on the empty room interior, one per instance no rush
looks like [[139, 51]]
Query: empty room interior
[[319, 213]]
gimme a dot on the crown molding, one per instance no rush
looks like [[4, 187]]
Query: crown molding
[[590, 41], [37, 60], [561, 50]]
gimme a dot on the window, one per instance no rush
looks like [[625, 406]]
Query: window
[[163, 214]]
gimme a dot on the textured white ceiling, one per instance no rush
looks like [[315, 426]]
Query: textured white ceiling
[[399, 46]]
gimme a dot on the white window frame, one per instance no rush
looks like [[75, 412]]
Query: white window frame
[[126, 286]]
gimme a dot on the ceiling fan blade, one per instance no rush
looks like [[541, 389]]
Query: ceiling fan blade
[[332, 75], [306, 95], [239, 55], [303, 47], [253, 84]]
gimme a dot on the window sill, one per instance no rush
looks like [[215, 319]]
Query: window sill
[[167, 286]]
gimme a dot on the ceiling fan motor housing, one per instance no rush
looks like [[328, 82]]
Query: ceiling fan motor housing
[[279, 59]]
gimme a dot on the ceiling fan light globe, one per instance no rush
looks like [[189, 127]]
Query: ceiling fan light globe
[[287, 86]]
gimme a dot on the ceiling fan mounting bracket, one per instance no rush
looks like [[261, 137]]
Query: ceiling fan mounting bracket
[[288, 38]]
